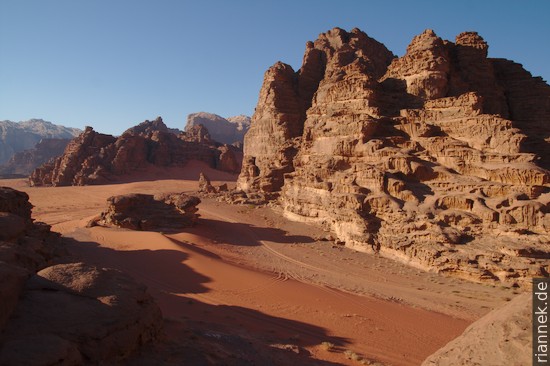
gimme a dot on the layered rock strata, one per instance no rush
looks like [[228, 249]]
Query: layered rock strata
[[436, 158], [278, 123], [95, 158], [173, 211]]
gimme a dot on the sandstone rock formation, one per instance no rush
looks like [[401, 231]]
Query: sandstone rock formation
[[24, 162], [502, 337], [226, 131], [207, 189], [174, 211], [95, 158], [66, 314], [230, 159], [205, 186], [106, 315], [243, 124], [25, 246], [18, 136], [437, 158]]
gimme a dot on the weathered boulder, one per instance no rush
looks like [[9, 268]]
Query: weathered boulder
[[172, 211], [66, 314], [15, 202], [105, 314]]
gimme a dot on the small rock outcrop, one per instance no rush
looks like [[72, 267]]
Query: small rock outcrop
[[502, 337], [207, 189], [205, 186], [95, 158], [24, 162], [437, 158], [66, 314], [226, 131], [19, 136], [173, 211]]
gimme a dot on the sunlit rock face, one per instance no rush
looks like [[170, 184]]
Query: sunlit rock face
[[437, 158]]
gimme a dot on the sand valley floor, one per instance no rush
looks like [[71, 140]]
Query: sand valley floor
[[248, 276]]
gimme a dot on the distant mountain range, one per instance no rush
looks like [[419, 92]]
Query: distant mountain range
[[24, 162], [19, 136], [28, 144]]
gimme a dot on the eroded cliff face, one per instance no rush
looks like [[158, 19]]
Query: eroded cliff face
[[95, 158], [278, 122], [436, 158]]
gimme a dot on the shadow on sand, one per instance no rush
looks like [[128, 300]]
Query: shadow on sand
[[244, 234], [199, 329]]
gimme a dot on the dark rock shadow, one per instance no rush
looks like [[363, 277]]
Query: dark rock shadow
[[234, 335], [175, 276], [244, 234]]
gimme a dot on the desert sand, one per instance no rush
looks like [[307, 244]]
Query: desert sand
[[278, 284]]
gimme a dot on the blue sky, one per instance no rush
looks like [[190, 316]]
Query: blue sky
[[114, 63]]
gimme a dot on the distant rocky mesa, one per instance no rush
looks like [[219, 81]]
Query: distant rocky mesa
[[95, 158], [227, 131], [438, 158], [19, 136]]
